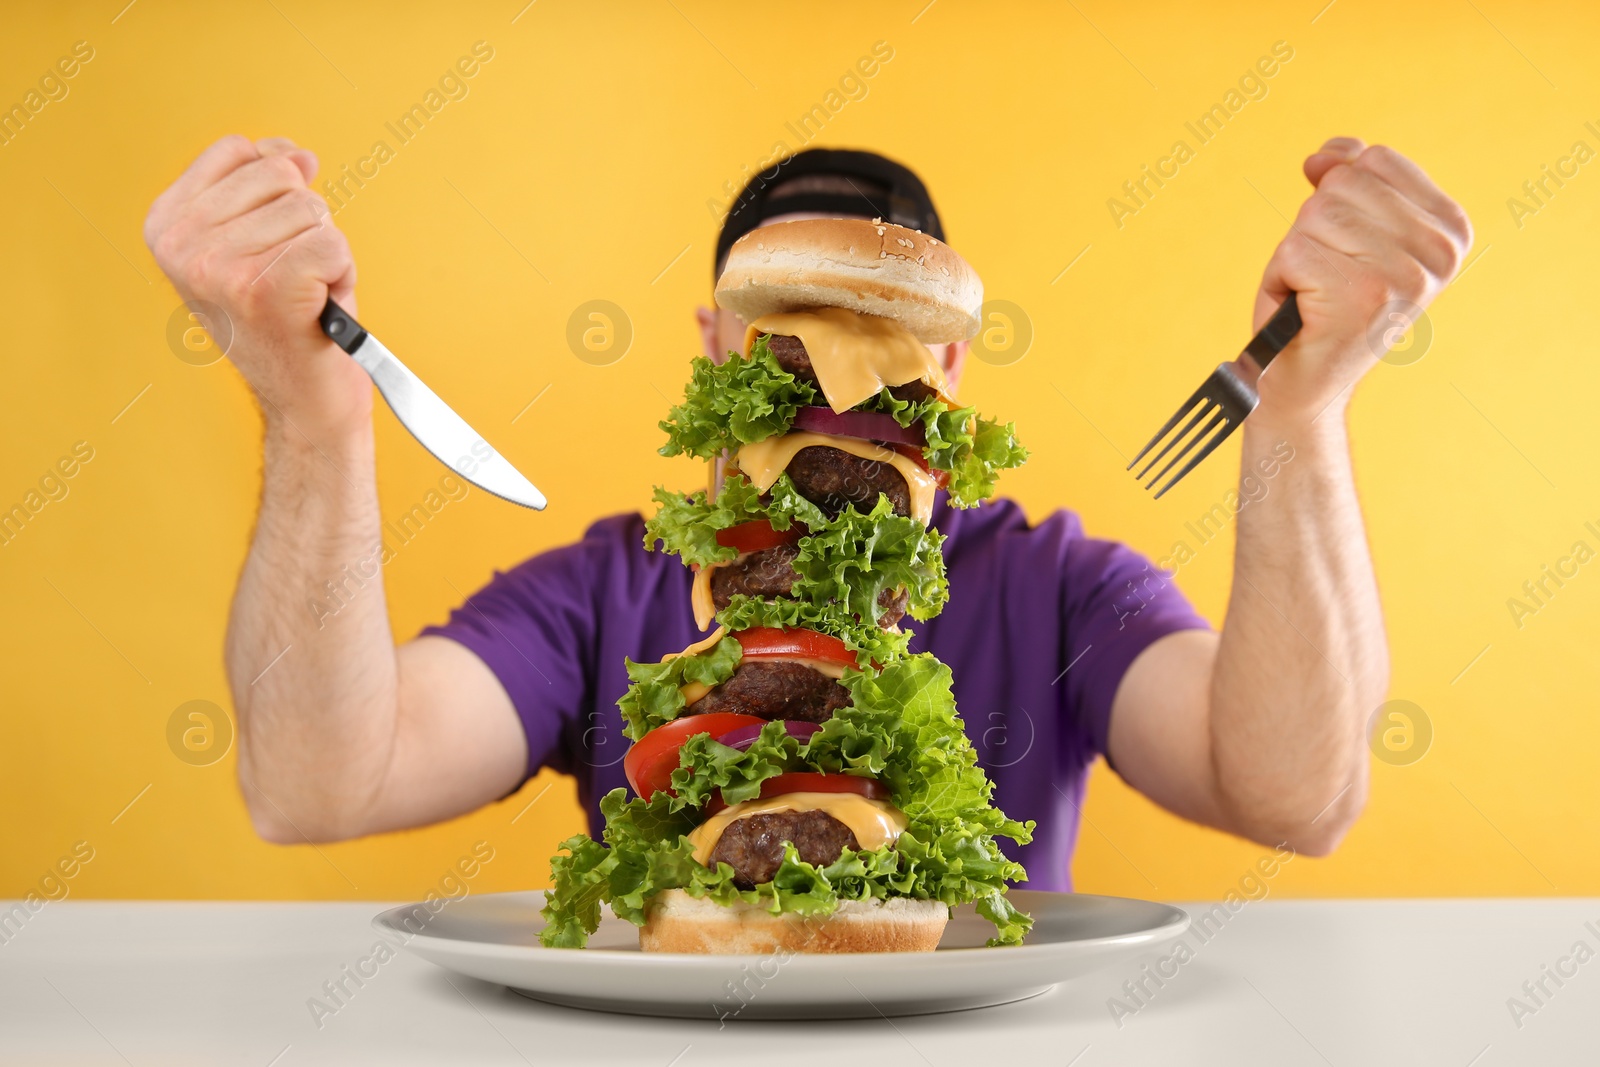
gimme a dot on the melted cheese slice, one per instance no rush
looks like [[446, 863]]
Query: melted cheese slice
[[854, 355], [763, 461], [699, 646], [874, 822], [705, 609], [821, 666], [693, 691]]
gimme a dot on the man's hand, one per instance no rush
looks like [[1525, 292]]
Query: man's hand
[[1376, 230], [242, 230], [340, 733]]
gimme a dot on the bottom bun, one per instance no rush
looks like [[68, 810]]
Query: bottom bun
[[678, 922]]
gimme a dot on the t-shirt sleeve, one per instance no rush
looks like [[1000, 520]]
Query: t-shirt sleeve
[[534, 627], [1117, 605]]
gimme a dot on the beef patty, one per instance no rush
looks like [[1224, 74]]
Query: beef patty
[[775, 689], [791, 354], [753, 845], [834, 479], [769, 572]]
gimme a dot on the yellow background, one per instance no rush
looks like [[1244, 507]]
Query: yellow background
[[581, 164]]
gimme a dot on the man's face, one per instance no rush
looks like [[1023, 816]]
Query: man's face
[[721, 331]]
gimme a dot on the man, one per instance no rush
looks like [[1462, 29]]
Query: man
[[1062, 647]]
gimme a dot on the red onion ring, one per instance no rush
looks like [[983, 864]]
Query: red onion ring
[[745, 736], [867, 425]]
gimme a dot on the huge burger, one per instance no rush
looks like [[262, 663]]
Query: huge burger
[[801, 781]]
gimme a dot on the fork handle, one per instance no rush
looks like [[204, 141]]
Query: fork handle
[[1276, 334]]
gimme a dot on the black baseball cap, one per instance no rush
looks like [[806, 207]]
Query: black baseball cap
[[883, 189]]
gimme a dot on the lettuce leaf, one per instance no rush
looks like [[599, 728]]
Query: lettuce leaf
[[706, 767], [655, 695], [973, 449], [686, 525], [737, 401], [583, 881], [741, 401], [902, 728], [854, 559]]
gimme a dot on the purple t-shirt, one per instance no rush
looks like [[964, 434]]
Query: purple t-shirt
[[1041, 624]]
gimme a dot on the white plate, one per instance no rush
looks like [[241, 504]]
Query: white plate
[[495, 938]]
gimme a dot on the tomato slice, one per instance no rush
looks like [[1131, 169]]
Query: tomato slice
[[941, 478], [652, 759], [812, 782], [758, 534], [789, 642]]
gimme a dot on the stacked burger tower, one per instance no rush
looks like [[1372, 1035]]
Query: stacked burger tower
[[801, 781]]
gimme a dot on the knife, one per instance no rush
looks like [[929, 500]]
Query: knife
[[437, 428]]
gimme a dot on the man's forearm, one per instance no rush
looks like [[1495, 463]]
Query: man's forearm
[[1262, 731], [309, 652], [1303, 659]]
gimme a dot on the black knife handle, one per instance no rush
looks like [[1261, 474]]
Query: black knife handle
[[1276, 334], [343, 330]]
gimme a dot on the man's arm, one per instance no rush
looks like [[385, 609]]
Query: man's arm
[[1261, 730], [340, 733]]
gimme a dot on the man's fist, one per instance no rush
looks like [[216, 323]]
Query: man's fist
[[1376, 230], [241, 229]]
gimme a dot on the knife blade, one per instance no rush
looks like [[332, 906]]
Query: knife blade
[[431, 421]]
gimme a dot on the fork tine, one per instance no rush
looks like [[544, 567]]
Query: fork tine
[[1222, 435], [1183, 409], [1219, 416], [1229, 395], [1200, 412]]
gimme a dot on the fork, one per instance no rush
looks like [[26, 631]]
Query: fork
[[1228, 396]]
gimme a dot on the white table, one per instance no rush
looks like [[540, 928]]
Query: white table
[[1291, 982]]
